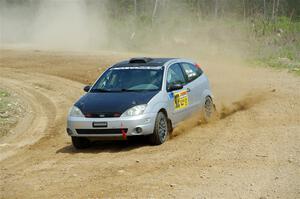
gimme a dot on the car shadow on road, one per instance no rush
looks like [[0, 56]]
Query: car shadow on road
[[111, 146]]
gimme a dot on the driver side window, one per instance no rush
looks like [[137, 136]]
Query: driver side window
[[175, 75]]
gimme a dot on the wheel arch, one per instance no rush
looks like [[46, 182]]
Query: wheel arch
[[206, 93], [163, 110]]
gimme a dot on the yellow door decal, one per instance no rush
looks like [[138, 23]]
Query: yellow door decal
[[181, 100]]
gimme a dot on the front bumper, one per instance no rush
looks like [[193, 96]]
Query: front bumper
[[145, 122]]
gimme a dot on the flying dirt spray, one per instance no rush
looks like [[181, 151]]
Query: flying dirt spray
[[225, 110]]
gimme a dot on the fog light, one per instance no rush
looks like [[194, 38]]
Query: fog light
[[69, 131], [139, 130]]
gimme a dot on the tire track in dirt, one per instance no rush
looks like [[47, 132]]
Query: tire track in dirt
[[46, 98], [251, 153]]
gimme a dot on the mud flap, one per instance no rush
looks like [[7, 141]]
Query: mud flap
[[124, 135]]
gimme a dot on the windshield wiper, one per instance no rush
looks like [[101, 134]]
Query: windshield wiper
[[127, 90], [100, 90], [137, 90]]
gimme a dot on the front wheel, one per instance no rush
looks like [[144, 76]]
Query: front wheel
[[80, 142], [160, 133]]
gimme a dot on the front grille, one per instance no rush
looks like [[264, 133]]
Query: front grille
[[100, 131], [102, 115]]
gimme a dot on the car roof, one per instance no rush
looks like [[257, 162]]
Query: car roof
[[143, 61]]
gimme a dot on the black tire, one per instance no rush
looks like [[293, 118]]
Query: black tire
[[209, 109], [161, 130], [80, 142]]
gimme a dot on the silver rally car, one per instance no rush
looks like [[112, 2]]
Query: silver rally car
[[140, 96]]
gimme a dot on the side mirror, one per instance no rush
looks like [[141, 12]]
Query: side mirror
[[87, 88], [174, 87]]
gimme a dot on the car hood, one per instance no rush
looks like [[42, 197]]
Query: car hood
[[112, 102]]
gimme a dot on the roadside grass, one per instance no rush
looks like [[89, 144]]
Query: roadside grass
[[279, 64], [4, 103], [277, 44], [3, 93], [10, 110]]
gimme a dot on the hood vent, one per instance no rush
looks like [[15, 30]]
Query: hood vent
[[140, 60]]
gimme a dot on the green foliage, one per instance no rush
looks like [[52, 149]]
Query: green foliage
[[278, 42], [280, 47], [8, 111], [4, 102], [4, 93], [282, 25]]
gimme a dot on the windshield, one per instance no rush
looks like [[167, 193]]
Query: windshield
[[130, 79]]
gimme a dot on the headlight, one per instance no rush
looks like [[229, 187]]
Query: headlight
[[134, 111], [75, 112]]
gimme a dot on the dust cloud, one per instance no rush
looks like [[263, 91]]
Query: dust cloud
[[83, 25], [59, 25]]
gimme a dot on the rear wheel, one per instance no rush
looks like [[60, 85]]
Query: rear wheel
[[80, 142], [161, 131], [209, 109]]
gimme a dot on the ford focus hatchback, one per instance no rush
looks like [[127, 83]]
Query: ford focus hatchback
[[140, 96]]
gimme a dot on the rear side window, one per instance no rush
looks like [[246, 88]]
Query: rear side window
[[191, 71], [175, 75]]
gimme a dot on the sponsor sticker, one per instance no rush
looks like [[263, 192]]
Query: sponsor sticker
[[181, 99]]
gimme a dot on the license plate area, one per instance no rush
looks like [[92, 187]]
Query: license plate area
[[99, 124]]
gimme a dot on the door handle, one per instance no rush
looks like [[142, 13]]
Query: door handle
[[188, 89]]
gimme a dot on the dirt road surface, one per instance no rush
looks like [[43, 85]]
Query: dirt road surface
[[252, 152]]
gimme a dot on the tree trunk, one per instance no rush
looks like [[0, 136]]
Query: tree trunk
[[273, 10], [277, 8], [244, 5], [199, 14], [135, 8], [265, 9], [154, 11], [216, 8]]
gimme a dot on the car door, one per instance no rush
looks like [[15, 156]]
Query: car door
[[195, 84], [178, 99]]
